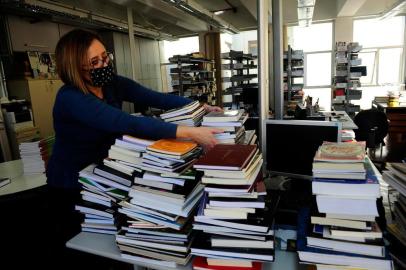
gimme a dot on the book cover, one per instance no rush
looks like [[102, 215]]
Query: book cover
[[231, 157], [201, 263], [172, 147]]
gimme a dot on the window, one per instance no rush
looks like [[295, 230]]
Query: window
[[316, 41], [383, 55], [318, 69], [171, 48]]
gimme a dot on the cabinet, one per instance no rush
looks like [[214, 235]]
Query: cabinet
[[41, 94], [27, 35]]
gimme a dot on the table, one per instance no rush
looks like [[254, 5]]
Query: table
[[19, 181], [340, 116], [105, 245]]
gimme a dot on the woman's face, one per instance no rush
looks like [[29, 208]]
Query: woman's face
[[96, 57]]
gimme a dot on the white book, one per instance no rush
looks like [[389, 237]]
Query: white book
[[230, 243], [346, 206], [356, 248], [113, 154]]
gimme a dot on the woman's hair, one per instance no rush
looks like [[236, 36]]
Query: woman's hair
[[71, 55]]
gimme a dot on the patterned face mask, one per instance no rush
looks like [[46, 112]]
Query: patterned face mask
[[102, 76]]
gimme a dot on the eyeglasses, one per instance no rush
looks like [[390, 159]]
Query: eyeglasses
[[97, 62]]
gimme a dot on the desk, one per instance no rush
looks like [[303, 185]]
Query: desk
[[396, 115], [340, 116], [105, 245], [19, 182]]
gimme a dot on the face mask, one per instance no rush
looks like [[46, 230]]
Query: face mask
[[102, 76]]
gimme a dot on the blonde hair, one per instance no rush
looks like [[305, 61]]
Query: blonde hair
[[71, 55]]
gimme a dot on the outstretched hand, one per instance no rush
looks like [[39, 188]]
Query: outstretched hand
[[209, 108], [201, 135]]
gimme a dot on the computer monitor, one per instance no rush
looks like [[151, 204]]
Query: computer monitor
[[292, 144]]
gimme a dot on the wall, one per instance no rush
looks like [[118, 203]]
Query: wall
[[343, 30]]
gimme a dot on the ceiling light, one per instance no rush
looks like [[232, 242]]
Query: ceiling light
[[218, 12]]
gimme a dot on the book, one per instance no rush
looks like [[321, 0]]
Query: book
[[201, 263], [172, 147], [226, 157], [4, 181], [314, 255], [224, 116], [182, 110], [341, 152], [113, 174]]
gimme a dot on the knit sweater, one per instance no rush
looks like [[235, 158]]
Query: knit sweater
[[85, 125]]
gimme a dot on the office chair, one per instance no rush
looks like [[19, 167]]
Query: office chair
[[372, 128]]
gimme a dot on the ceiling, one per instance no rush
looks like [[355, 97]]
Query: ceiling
[[178, 18]]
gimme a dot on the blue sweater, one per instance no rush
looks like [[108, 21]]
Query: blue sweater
[[85, 126]]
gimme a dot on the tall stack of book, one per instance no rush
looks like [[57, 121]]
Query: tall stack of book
[[234, 220], [343, 231], [35, 155], [106, 184], [395, 176], [231, 122], [188, 115], [162, 202]]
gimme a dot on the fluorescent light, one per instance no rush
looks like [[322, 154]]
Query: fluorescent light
[[305, 23], [305, 3], [218, 12], [305, 13]]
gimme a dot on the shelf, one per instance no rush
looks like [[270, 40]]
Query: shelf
[[240, 78], [184, 83], [238, 68]]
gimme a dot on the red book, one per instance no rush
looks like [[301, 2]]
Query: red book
[[233, 157], [200, 263]]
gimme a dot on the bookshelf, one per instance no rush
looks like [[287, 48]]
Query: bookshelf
[[346, 81], [193, 76], [293, 72], [242, 92]]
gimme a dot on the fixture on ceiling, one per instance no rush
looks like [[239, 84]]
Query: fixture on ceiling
[[221, 11], [394, 10], [305, 10], [66, 14], [191, 8]]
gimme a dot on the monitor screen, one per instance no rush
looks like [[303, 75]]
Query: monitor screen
[[292, 144]]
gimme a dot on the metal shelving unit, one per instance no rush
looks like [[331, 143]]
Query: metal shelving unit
[[240, 66], [193, 77], [293, 76], [347, 77]]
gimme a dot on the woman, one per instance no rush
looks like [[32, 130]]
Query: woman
[[87, 119]]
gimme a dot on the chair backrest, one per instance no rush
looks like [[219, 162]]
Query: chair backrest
[[371, 121]]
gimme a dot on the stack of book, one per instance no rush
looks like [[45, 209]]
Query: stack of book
[[234, 220], [161, 204], [343, 231], [231, 122], [35, 155], [395, 176], [188, 115], [103, 188]]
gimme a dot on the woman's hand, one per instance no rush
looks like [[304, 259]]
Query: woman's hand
[[209, 108], [201, 135]]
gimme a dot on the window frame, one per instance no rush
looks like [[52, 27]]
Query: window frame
[[377, 49]]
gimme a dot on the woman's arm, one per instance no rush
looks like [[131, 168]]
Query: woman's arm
[[91, 111], [134, 92]]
